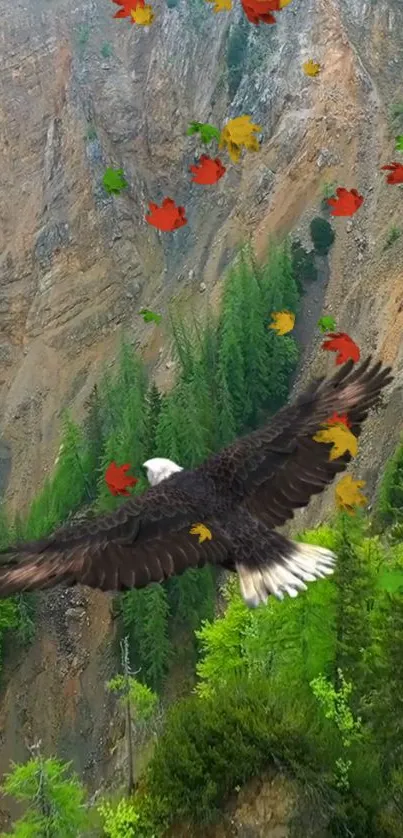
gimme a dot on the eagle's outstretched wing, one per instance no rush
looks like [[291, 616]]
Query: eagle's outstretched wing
[[277, 468], [146, 540]]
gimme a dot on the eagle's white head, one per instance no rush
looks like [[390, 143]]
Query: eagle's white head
[[158, 468]]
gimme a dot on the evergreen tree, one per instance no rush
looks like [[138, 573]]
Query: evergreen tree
[[138, 701], [55, 802], [94, 440], [355, 584], [153, 406], [389, 509], [322, 235], [155, 646]]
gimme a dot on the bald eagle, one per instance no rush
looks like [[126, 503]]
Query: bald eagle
[[240, 495]]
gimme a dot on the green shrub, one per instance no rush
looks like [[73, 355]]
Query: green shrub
[[172, 4], [106, 50], [210, 745], [394, 233], [237, 49], [303, 265], [322, 235]]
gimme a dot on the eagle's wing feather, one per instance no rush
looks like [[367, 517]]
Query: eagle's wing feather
[[146, 540], [277, 468]]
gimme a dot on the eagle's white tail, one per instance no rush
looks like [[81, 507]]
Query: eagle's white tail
[[286, 575]]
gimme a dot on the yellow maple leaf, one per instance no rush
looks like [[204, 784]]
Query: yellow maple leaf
[[348, 494], [284, 3], [238, 132], [202, 531], [283, 322], [341, 437], [311, 68], [221, 5], [143, 16]]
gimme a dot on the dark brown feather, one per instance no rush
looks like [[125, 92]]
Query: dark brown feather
[[266, 474]]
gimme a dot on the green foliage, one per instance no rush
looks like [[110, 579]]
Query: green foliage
[[393, 235], [55, 802], [396, 116], [91, 133], [237, 50], [211, 745], [142, 699], [122, 821], [106, 50], [83, 34], [389, 508], [335, 705], [172, 4], [322, 235], [303, 265]]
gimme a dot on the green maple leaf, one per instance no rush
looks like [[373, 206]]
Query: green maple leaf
[[327, 323], [207, 132], [399, 143], [149, 316], [392, 581], [114, 181]]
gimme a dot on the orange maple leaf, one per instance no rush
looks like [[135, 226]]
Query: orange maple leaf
[[346, 203], [343, 345], [167, 217], [116, 479], [207, 171], [396, 172]]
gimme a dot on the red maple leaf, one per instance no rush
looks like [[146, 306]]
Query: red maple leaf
[[396, 170], [339, 419], [346, 203], [128, 5], [207, 171], [167, 217], [259, 11], [117, 481], [343, 345]]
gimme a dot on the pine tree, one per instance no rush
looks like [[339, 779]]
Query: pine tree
[[153, 407], [155, 647], [55, 802], [355, 584], [389, 509], [94, 439]]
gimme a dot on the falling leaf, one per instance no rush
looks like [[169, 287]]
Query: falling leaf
[[342, 439], [207, 171], [260, 11], [284, 322], [311, 68], [339, 419], [128, 6], [143, 15], [167, 217], [202, 531], [348, 494], [343, 345], [238, 132], [221, 5], [114, 181], [399, 143], [207, 132], [327, 323], [150, 316], [117, 481], [346, 203], [396, 172], [391, 581], [284, 3]]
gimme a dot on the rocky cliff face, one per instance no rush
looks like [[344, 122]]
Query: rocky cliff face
[[80, 91]]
